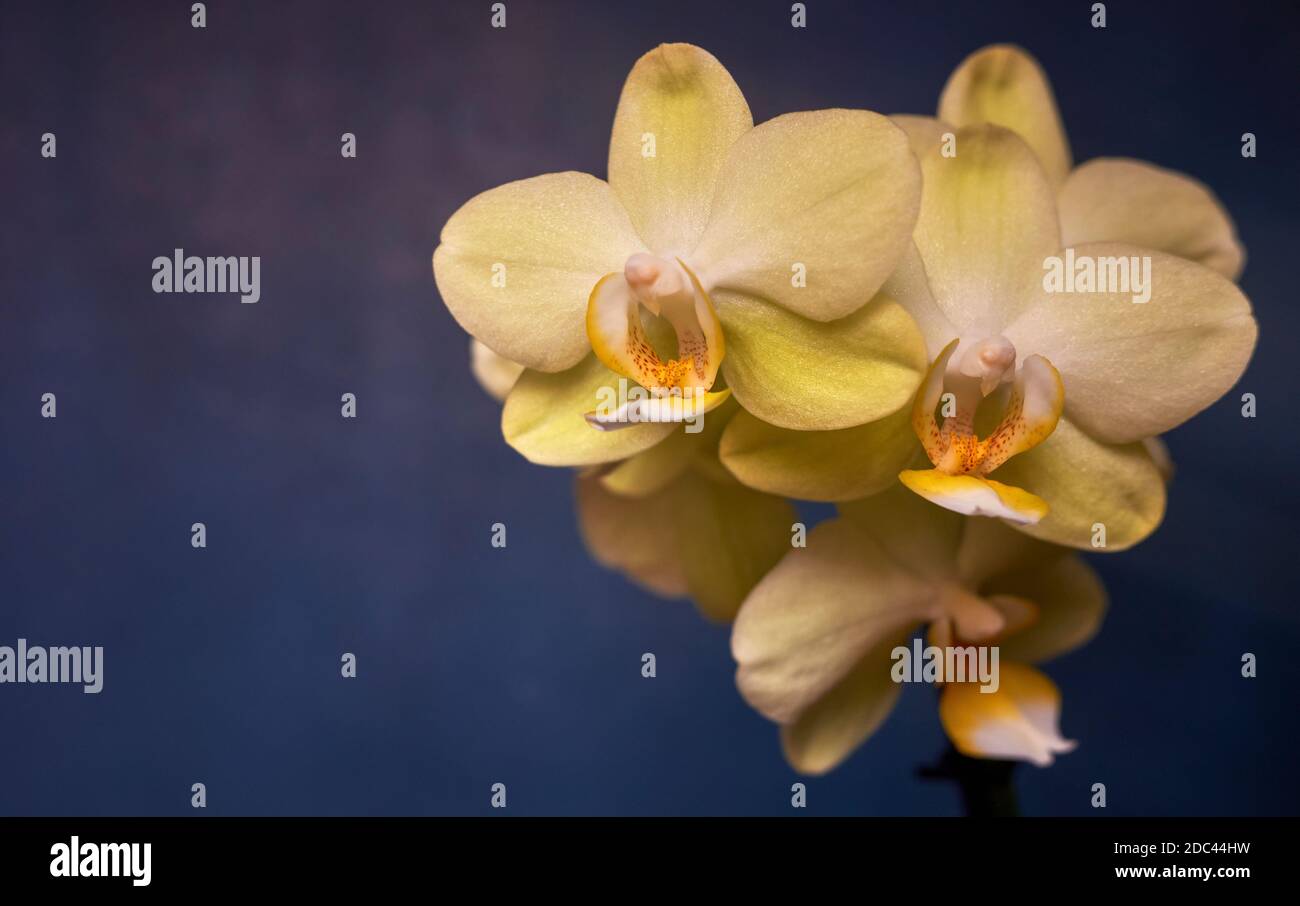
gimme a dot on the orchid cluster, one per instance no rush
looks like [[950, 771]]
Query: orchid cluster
[[854, 308]]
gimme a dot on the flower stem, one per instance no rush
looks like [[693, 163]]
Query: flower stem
[[987, 790]]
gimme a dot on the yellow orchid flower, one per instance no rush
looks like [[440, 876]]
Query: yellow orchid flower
[[815, 642], [678, 524], [1103, 200], [1055, 390], [720, 258], [1101, 366]]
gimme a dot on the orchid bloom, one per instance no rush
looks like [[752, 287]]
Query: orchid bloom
[[814, 641], [1107, 199], [1077, 376], [720, 258], [1055, 390]]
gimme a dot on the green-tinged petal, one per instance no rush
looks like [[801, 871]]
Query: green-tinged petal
[[1021, 720], [1137, 369], [812, 212], [496, 374], [544, 418], [813, 618], [923, 132], [916, 533], [819, 465], [1071, 602], [820, 376], [988, 220], [709, 540], [1004, 85], [1088, 483], [679, 113], [651, 470], [1121, 200], [516, 264], [631, 535], [832, 727]]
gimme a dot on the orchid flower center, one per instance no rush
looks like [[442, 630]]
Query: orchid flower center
[[946, 415], [666, 290], [659, 292], [957, 389]]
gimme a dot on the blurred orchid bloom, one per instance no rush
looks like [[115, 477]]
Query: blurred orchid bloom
[[720, 258], [678, 524], [815, 640], [671, 518]]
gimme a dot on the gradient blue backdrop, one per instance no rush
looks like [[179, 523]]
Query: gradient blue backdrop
[[371, 536]]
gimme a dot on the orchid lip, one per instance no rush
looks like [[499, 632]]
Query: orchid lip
[[985, 365], [962, 460], [667, 290]]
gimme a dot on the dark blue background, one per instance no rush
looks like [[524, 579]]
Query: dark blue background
[[371, 536]]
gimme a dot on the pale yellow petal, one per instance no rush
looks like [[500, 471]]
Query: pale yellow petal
[[1070, 601], [516, 264], [545, 418], [917, 534], [728, 537], [830, 729], [1120, 200], [695, 446], [630, 534], [923, 132], [496, 374], [910, 287], [1136, 369], [812, 212], [1021, 720], [1004, 85], [711, 541], [818, 465], [810, 375], [650, 470], [1089, 484], [814, 617], [991, 548], [679, 114], [988, 220]]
